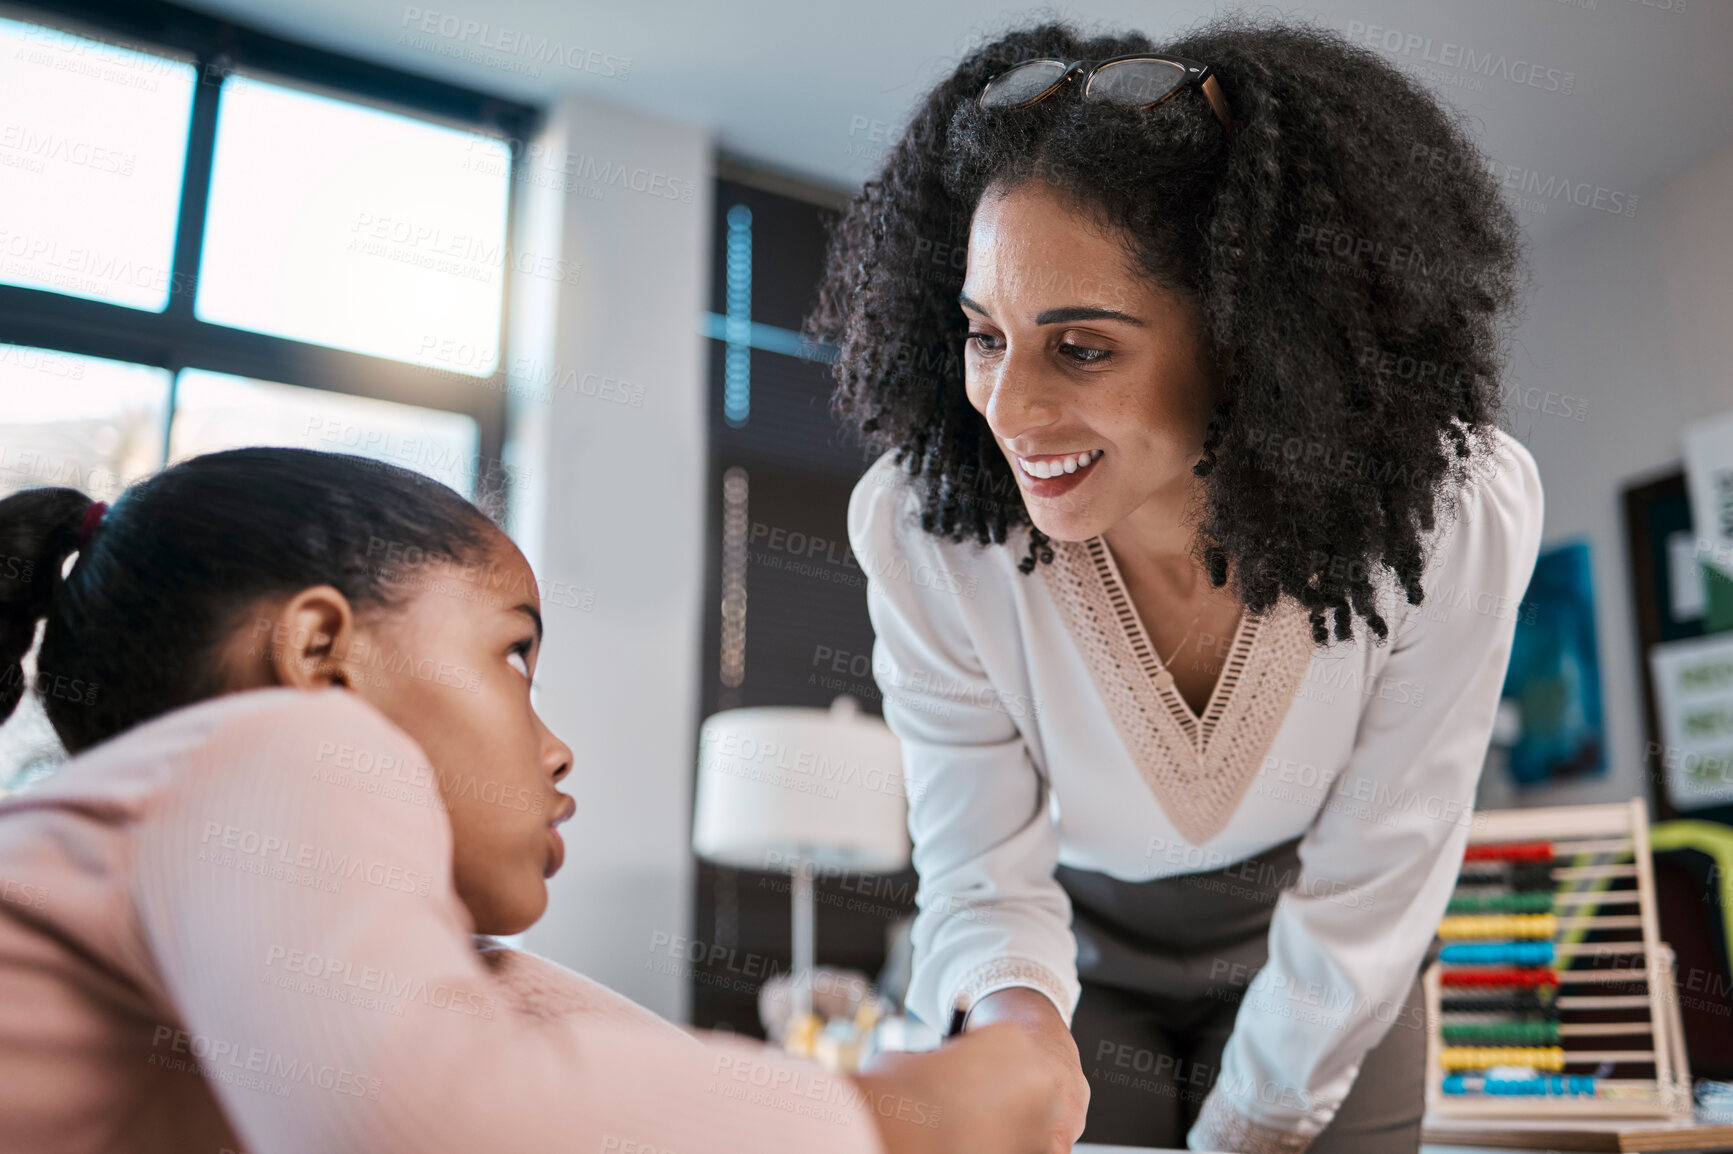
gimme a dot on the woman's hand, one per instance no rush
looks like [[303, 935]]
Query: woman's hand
[[1057, 1050], [988, 1092]]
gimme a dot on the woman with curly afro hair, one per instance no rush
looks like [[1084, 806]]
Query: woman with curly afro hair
[[1194, 552]]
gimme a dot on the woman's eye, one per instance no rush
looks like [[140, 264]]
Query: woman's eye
[[1084, 355], [519, 660], [985, 342]]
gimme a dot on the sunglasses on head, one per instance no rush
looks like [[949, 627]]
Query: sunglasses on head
[[1140, 80]]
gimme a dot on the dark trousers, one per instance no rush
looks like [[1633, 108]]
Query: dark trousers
[[1164, 965]]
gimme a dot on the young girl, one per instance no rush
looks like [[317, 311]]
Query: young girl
[[306, 771]]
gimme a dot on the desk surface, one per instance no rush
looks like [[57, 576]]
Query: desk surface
[[1707, 1137], [1600, 1134], [1428, 1148], [1514, 1136]]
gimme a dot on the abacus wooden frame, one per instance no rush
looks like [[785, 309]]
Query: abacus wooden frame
[[1672, 1091]]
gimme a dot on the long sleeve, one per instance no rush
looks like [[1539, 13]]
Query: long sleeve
[[326, 985], [990, 914], [1379, 861]]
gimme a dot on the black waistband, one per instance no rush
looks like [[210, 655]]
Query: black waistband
[[1183, 937]]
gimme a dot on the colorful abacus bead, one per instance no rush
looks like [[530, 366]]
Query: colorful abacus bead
[[1533, 1032], [1512, 851], [1534, 902], [1524, 977], [1485, 1057], [1555, 1086], [1530, 1001], [1482, 926], [1497, 953], [1523, 877]]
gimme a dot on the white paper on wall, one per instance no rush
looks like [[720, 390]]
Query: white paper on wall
[[1694, 703], [1709, 477], [1688, 599]]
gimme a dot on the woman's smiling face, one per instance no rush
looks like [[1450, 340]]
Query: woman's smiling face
[[1092, 378]]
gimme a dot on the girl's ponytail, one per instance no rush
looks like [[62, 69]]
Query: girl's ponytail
[[135, 627], [39, 530]]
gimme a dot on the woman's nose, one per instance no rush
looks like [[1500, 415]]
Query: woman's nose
[[1019, 401]]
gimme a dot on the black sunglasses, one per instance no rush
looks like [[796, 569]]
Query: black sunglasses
[[1140, 80]]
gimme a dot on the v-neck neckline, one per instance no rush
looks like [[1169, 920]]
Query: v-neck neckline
[[1198, 768], [1198, 727]]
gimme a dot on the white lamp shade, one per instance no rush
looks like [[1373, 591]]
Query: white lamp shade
[[777, 785]]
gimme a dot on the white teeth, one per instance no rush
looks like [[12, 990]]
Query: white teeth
[[1059, 465]]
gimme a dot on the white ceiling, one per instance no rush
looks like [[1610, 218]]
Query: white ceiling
[[781, 82]]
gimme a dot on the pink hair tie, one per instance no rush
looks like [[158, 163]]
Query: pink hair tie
[[92, 518]]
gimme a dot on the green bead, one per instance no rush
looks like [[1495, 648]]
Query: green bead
[[1518, 1033], [1521, 903]]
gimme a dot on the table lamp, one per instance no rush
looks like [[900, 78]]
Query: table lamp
[[793, 790]]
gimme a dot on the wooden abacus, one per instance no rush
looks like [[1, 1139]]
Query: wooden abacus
[[1524, 1018]]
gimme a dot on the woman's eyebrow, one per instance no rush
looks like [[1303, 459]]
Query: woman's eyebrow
[[1061, 316], [1084, 313], [530, 610]]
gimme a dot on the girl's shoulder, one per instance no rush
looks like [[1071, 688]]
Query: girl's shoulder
[[126, 772]]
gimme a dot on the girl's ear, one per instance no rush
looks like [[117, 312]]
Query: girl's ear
[[310, 639]]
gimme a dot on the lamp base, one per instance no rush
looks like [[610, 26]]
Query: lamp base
[[802, 1037]]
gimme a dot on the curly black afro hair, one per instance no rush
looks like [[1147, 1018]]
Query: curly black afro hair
[[1352, 258]]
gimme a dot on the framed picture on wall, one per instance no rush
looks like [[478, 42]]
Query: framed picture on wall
[[1554, 677], [1671, 600]]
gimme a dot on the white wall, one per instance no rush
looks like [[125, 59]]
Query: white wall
[[610, 512], [1636, 316]]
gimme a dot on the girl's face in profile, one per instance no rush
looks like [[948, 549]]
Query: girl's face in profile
[[451, 663], [1091, 377], [497, 763]]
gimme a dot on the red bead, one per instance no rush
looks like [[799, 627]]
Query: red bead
[[1498, 976], [1510, 851]]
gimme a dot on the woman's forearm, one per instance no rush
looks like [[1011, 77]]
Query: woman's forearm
[[1040, 1018]]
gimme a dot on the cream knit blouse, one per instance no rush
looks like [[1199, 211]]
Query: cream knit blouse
[[1036, 732]]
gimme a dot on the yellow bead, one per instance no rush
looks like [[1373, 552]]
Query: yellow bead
[[1550, 1058], [1460, 927]]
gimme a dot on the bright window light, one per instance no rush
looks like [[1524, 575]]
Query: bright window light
[[81, 422], [215, 411], [93, 144], [347, 226]]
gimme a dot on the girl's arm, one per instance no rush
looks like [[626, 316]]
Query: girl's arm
[[533, 985], [321, 972]]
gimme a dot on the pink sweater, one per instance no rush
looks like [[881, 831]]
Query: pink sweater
[[213, 938]]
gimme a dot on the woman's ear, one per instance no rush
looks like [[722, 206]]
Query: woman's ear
[[311, 635]]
